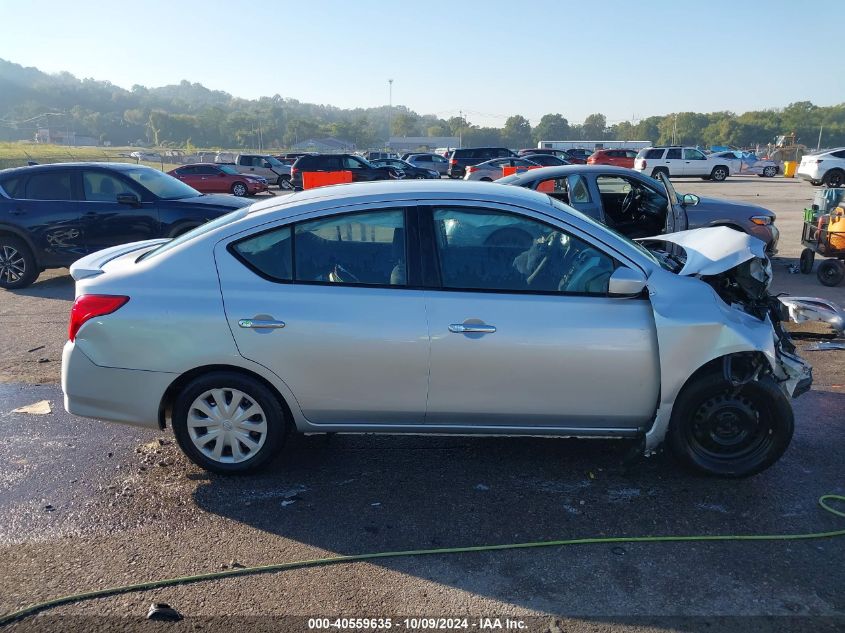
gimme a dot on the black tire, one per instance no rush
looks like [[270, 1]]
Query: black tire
[[486, 179], [805, 264], [830, 272], [834, 178], [239, 190], [17, 263], [715, 432], [770, 172], [277, 425], [284, 183], [816, 183], [659, 170], [719, 173]]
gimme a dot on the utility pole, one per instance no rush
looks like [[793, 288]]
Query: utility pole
[[389, 110], [461, 129], [819, 144]]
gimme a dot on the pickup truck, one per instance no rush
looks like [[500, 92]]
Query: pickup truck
[[261, 165]]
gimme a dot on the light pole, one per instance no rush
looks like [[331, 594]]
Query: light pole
[[389, 109]]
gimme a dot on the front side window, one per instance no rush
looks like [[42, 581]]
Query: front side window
[[490, 250], [360, 248], [102, 187], [350, 162], [162, 185], [693, 154], [50, 185]]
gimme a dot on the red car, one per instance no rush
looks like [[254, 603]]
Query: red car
[[214, 178], [615, 157]]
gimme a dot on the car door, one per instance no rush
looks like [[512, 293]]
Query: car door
[[674, 162], [522, 332], [695, 163], [109, 222], [341, 322], [360, 171], [46, 203], [213, 179]]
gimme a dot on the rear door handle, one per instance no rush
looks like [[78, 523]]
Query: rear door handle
[[260, 324], [463, 328]]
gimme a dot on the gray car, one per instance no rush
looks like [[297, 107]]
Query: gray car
[[429, 161], [626, 200], [421, 307], [493, 169]]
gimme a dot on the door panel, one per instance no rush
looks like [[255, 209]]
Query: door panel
[[552, 360], [108, 222], [47, 205]]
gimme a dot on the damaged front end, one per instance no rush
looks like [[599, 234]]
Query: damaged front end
[[736, 267]]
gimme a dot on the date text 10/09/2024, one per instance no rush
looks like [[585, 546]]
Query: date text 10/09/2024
[[414, 623]]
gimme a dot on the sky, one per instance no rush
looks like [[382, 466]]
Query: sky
[[488, 59]]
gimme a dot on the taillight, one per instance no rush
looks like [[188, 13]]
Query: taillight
[[453, 161], [471, 168], [87, 307], [591, 161], [293, 172]]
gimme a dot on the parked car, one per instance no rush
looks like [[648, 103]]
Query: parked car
[[637, 205], [492, 169], [681, 161], [213, 178], [748, 163], [579, 332], [461, 158], [265, 166], [51, 215], [826, 168], [579, 154], [547, 160], [409, 170], [616, 157], [573, 158], [361, 169], [429, 161], [380, 155]]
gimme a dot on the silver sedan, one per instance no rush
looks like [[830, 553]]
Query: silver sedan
[[434, 307], [497, 168]]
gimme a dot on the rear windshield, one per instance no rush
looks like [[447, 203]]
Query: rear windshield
[[202, 229]]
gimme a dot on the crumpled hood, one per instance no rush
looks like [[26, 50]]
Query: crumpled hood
[[713, 250]]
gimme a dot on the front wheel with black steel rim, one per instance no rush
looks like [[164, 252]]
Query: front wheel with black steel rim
[[830, 272], [228, 423], [719, 173], [239, 189], [17, 264], [730, 431], [805, 264]]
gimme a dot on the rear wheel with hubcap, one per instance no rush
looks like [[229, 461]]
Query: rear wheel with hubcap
[[659, 170], [228, 423], [727, 431], [17, 264]]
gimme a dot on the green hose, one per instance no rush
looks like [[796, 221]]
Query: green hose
[[334, 560]]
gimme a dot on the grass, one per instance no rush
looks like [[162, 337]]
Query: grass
[[18, 154]]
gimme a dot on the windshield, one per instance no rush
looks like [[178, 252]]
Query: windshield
[[161, 185], [202, 229], [228, 169]]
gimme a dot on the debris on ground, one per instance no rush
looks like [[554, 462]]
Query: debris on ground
[[35, 349], [163, 612], [37, 408], [482, 487], [825, 346]]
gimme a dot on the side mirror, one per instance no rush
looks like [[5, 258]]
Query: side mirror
[[690, 200], [128, 198], [626, 282]]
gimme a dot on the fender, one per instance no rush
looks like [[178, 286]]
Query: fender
[[24, 235]]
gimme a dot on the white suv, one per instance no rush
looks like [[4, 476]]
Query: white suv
[[681, 161], [825, 167]]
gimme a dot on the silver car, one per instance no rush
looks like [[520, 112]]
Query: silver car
[[434, 307], [429, 161]]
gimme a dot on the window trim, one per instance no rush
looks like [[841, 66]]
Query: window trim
[[430, 248], [412, 258]]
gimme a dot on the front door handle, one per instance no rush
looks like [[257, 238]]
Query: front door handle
[[470, 328], [260, 324]]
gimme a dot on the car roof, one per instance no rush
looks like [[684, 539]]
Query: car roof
[[392, 190], [556, 171], [28, 169]]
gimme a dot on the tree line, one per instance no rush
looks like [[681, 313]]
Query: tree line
[[190, 115]]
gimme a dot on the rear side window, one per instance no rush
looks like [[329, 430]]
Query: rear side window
[[12, 187], [51, 185], [268, 253], [653, 153], [674, 153], [839, 154], [359, 248]]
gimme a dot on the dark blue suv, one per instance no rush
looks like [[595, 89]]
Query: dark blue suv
[[51, 215]]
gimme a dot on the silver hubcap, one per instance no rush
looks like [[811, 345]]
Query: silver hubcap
[[12, 265], [227, 425], [239, 190]]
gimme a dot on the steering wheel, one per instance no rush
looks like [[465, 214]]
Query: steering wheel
[[629, 199], [340, 275], [550, 243]]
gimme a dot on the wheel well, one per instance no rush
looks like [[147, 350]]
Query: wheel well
[[735, 227], [718, 365], [728, 169], [21, 236], [165, 408]]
